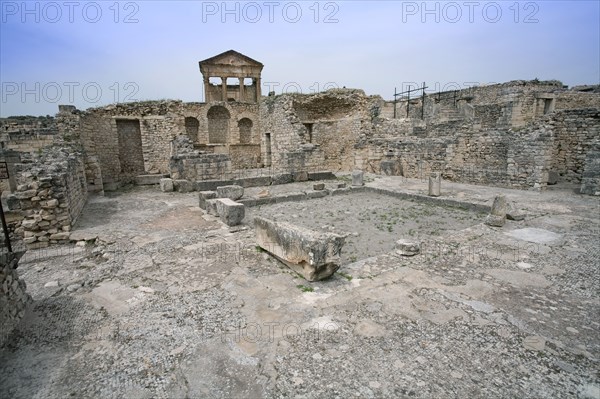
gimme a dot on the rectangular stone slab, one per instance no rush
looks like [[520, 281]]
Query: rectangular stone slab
[[231, 213], [314, 255], [203, 196]]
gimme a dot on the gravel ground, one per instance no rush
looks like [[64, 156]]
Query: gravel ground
[[160, 300]]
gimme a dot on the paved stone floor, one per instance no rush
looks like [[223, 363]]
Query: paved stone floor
[[160, 300]]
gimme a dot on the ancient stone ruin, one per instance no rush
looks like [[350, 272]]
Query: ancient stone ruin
[[329, 209]]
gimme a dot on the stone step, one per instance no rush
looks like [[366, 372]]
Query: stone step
[[146, 180]]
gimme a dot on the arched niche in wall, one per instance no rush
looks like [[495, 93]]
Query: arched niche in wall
[[191, 128], [218, 124], [245, 128]]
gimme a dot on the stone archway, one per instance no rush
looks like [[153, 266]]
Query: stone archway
[[218, 124]]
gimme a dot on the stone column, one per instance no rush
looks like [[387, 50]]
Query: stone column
[[241, 80], [435, 183], [257, 83], [224, 88], [206, 90]]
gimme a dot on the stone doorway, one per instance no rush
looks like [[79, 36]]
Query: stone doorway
[[131, 157]]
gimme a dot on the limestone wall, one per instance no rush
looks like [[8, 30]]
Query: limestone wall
[[507, 104], [125, 140], [575, 132], [14, 298], [52, 192], [513, 134], [200, 167], [186, 163], [105, 136], [590, 180], [245, 156], [27, 133], [317, 131], [237, 111], [572, 99], [522, 158]]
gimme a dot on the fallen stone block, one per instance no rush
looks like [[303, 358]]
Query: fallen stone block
[[341, 185], [205, 195], [230, 212], [357, 178], [319, 186], [513, 213], [314, 255], [500, 206], [407, 248], [166, 185], [495, 220], [232, 192], [497, 216], [211, 207]]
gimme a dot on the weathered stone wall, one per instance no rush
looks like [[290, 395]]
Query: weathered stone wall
[[504, 105], [189, 164], [572, 99], [477, 135], [69, 124], [590, 180], [245, 156], [52, 191], [318, 130], [159, 122], [521, 158], [105, 138], [27, 133], [513, 134], [575, 132], [237, 112], [14, 298]]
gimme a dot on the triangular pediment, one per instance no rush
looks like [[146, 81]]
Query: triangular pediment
[[232, 58]]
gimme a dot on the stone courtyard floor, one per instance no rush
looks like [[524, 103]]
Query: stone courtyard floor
[[160, 300]]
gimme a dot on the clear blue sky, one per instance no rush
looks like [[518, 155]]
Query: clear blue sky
[[95, 53]]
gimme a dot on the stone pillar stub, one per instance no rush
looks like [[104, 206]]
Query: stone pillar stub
[[357, 178], [435, 184]]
